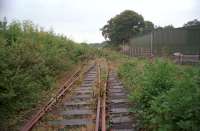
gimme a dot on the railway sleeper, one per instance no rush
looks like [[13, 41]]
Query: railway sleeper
[[72, 122], [119, 105], [77, 112], [124, 125]]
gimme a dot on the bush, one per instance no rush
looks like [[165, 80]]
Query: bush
[[166, 96], [30, 59], [178, 108]]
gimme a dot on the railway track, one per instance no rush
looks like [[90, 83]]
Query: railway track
[[119, 117], [79, 110], [90, 107]]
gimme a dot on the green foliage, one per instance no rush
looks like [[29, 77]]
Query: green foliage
[[169, 27], [192, 23], [148, 26], [121, 27], [178, 109], [166, 96], [130, 74], [124, 26], [30, 59]]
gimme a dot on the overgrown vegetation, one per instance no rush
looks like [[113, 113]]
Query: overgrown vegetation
[[30, 59], [165, 96]]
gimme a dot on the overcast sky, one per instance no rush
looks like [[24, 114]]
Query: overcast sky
[[81, 19]]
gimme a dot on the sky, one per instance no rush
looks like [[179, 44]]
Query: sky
[[81, 20]]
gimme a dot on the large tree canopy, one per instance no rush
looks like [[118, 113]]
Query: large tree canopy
[[122, 27]]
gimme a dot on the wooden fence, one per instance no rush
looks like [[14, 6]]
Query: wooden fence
[[137, 52]]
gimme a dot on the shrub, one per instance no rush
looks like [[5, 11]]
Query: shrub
[[178, 108], [30, 59], [166, 96]]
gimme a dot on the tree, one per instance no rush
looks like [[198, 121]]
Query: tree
[[122, 27], [148, 26], [3, 25], [168, 27], [192, 23]]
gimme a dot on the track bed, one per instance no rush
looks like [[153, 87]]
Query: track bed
[[119, 117], [76, 113]]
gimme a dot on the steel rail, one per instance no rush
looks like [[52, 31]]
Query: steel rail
[[99, 99], [103, 111], [63, 89]]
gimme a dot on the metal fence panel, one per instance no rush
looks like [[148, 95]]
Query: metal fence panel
[[168, 41]]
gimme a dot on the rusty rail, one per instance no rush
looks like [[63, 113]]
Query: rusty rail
[[99, 99], [52, 101], [63, 89], [103, 109]]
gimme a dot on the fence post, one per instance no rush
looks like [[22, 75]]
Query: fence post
[[199, 54], [151, 43], [134, 52], [142, 51], [131, 51]]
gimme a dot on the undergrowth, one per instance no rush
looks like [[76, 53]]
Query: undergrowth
[[30, 60], [165, 96]]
